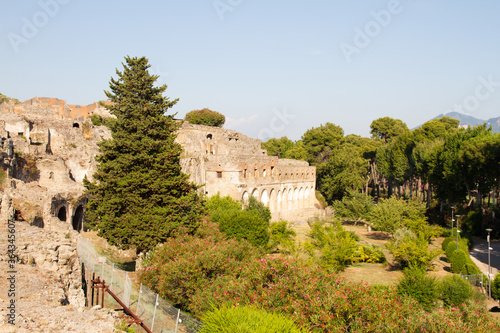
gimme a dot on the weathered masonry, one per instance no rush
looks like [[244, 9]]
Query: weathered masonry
[[227, 162]]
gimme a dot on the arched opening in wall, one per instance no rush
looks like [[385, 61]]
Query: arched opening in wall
[[264, 173], [255, 194], [290, 199], [245, 197], [38, 222], [295, 198], [307, 201], [76, 125], [272, 201], [61, 214], [78, 219], [278, 201], [209, 136], [264, 198], [301, 198]]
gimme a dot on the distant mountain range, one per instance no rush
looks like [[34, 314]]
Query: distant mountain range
[[466, 120]]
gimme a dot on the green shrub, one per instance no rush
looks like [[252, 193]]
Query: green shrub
[[217, 202], [495, 287], [331, 246], [354, 207], [393, 213], [205, 117], [452, 246], [281, 237], [455, 290], [246, 319], [250, 224], [368, 253], [255, 205], [445, 243], [416, 284], [458, 261], [242, 224], [413, 251]]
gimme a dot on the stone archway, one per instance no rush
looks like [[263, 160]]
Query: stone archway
[[290, 199], [301, 198], [77, 220], [62, 213], [278, 202], [272, 200], [264, 198], [296, 198], [255, 194]]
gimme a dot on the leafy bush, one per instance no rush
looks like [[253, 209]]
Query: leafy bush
[[495, 287], [331, 246], [242, 224], [250, 224], [393, 213], [416, 284], [281, 237], [458, 261], [217, 202], [255, 205], [413, 251], [445, 243], [454, 290], [246, 319], [368, 253], [452, 246], [205, 117], [354, 207], [183, 265]]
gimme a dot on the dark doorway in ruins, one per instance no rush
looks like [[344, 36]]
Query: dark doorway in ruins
[[61, 215], [78, 219]]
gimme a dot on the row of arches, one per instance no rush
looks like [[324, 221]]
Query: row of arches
[[282, 200], [279, 174]]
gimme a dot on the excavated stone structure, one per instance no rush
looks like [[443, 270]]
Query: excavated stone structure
[[49, 146], [227, 162]]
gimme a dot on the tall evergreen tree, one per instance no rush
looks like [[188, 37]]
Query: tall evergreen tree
[[139, 196]]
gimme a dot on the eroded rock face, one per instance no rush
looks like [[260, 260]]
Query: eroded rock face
[[53, 149], [47, 285]]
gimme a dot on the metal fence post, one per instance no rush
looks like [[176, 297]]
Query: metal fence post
[[112, 275], [139, 299], [177, 321], [154, 313]]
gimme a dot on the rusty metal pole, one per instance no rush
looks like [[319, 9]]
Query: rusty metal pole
[[103, 288], [92, 287]]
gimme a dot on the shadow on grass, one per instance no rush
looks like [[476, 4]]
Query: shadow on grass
[[379, 235]]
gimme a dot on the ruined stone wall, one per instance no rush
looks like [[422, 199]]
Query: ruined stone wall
[[227, 162]]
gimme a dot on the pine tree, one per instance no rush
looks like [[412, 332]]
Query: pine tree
[[139, 196]]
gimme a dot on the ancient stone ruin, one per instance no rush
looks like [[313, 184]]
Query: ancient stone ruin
[[48, 147]]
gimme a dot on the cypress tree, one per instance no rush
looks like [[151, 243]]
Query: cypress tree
[[139, 196]]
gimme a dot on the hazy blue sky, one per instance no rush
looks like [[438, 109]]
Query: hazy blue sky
[[273, 68]]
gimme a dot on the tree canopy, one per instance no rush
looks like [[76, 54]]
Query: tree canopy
[[139, 197], [205, 117]]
